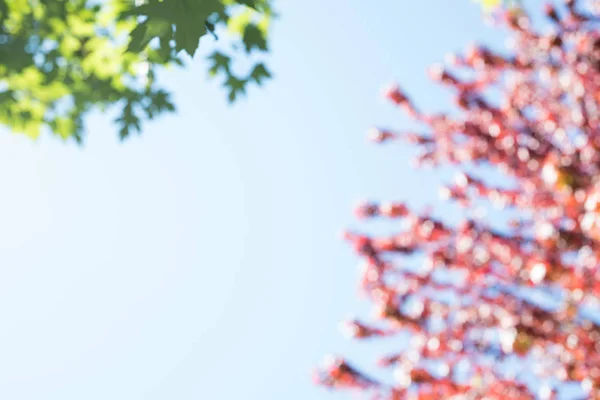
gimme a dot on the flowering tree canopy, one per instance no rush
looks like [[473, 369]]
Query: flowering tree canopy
[[491, 311]]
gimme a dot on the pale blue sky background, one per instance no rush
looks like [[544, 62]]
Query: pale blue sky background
[[203, 259]]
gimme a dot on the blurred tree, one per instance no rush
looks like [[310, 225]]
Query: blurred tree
[[506, 308], [492, 5], [61, 58]]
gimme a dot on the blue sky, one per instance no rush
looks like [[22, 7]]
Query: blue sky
[[203, 259]]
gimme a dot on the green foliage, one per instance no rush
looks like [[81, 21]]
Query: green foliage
[[59, 59]]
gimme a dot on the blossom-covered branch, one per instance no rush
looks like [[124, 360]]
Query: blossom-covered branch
[[500, 312]]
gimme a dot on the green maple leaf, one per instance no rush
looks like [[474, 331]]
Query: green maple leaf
[[220, 62], [165, 10], [254, 38], [145, 32], [128, 120], [188, 16], [259, 73], [236, 86]]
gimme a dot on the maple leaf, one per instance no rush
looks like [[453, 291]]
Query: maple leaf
[[254, 39], [188, 16], [259, 73]]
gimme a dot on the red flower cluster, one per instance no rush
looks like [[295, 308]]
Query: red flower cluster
[[496, 312]]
